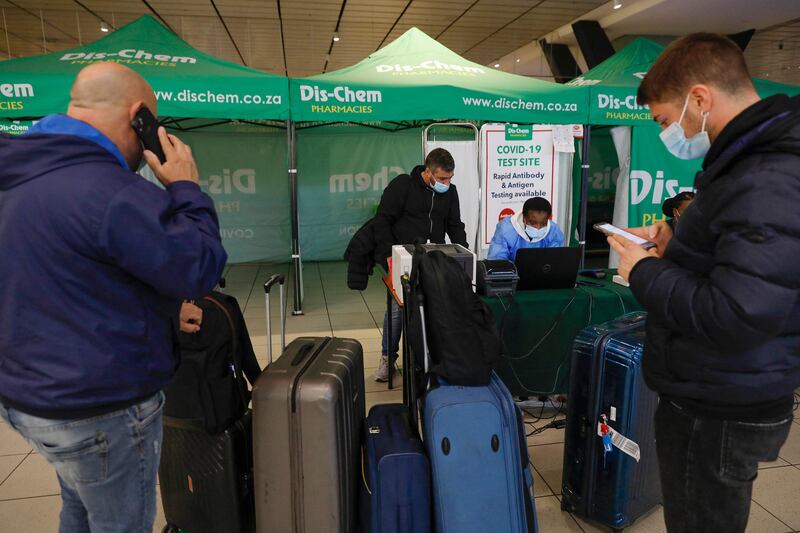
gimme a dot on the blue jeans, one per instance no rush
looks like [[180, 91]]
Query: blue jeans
[[397, 325], [708, 467], [106, 465]]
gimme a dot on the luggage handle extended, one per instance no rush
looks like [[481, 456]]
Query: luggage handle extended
[[280, 280], [410, 393]]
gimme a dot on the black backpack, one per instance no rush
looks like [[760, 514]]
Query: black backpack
[[209, 389], [461, 334]]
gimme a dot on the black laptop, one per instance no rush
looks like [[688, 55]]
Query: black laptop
[[547, 268]]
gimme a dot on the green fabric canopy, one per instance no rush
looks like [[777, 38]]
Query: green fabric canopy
[[614, 82], [417, 78], [188, 83]]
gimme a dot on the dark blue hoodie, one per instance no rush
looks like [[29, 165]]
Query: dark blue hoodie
[[95, 262]]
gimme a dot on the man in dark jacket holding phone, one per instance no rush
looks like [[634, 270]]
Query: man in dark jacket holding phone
[[96, 263], [422, 206], [723, 293]]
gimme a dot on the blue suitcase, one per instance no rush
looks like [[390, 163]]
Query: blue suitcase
[[606, 383], [396, 495], [481, 472]]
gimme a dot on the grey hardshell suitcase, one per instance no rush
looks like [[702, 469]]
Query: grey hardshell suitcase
[[308, 412]]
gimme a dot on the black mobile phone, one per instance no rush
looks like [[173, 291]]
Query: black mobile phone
[[146, 127]]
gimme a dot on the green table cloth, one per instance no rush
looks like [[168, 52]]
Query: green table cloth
[[538, 327]]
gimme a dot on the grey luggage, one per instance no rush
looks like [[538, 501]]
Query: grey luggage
[[308, 412]]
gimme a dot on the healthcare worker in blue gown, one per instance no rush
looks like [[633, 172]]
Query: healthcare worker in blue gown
[[530, 229]]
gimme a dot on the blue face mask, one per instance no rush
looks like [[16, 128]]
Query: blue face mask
[[440, 187], [674, 138], [536, 234]]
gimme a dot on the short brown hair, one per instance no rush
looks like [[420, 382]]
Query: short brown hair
[[440, 158], [697, 58]]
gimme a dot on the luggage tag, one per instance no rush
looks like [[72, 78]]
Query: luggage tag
[[626, 445]]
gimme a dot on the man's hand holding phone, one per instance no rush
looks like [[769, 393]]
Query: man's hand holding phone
[[630, 253], [635, 244], [660, 233], [180, 165]]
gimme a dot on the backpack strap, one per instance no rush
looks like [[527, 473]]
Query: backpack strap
[[236, 356]]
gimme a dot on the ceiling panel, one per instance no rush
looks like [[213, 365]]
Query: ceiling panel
[[482, 30], [774, 53], [308, 26]]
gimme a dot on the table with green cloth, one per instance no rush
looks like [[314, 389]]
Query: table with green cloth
[[538, 327]]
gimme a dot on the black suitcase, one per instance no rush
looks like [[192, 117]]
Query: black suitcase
[[206, 480]]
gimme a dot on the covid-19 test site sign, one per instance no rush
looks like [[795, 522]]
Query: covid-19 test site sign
[[520, 162]]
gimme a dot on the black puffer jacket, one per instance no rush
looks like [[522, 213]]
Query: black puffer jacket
[[724, 303], [410, 210], [359, 256]]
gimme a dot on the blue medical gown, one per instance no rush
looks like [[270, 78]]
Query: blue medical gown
[[507, 240]]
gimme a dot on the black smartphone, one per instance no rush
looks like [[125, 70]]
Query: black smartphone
[[146, 127]]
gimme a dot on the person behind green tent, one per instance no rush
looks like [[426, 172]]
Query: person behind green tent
[[530, 229], [674, 207]]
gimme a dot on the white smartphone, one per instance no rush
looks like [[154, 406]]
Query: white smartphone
[[610, 229]]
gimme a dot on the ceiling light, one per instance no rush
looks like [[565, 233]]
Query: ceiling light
[[517, 60], [104, 27], [497, 65], [336, 36], [617, 4]]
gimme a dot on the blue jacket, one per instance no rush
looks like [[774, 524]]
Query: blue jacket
[[509, 236], [723, 324], [96, 261]]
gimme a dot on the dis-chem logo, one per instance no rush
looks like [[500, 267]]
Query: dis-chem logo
[[519, 133], [16, 90], [129, 56], [431, 66], [12, 95]]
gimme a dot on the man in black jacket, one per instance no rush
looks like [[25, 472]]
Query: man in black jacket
[[723, 293], [420, 206]]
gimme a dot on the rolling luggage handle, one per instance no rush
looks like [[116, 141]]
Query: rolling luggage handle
[[280, 279], [410, 393]]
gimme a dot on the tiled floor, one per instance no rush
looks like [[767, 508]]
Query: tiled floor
[[29, 491]]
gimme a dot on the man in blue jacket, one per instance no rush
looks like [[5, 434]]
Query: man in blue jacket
[[96, 263], [530, 229], [723, 293]]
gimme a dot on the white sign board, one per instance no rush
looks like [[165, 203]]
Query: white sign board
[[518, 162]]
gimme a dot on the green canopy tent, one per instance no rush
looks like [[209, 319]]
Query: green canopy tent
[[188, 83], [614, 82], [416, 80], [652, 174], [194, 90]]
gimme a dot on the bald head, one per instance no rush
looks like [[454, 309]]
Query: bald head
[[107, 96], [110, 85]]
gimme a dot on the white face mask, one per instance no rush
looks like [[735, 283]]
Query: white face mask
[[674, 138], [537, 234]]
